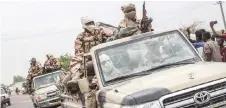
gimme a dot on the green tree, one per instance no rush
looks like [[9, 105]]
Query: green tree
[[3, 85], [18, 79], [65, 61]]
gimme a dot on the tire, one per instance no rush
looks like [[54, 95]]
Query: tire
[[34, 105], [9, 103], [39, 106]]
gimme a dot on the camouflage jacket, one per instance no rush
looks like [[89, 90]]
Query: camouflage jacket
[[85, 41], [36, 69], [52, 63], [47, 63], [126, 23]]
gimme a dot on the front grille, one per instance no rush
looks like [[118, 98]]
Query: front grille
[[52, 94], [215, 100], [172, 101]]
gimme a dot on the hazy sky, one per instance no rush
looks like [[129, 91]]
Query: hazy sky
[[32, 29]]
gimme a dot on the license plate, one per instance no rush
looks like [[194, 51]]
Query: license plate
[[56, 103]]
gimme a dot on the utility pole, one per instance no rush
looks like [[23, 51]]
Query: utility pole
[[222, 12]]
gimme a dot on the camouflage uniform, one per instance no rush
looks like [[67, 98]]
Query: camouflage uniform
[[131, 19], [91, 36], [54, 63], [34, 70], [47, 62], [28, 82]]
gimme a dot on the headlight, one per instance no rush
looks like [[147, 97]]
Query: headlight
[[2, 98], [154, 104], [58, 92], [41, 97]]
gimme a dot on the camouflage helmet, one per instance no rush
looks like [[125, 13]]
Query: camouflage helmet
[[88, 24], [33, 60]]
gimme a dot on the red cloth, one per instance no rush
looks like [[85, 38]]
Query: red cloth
[[223, 54], [224, 36]]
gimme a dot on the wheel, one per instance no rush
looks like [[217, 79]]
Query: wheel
[[34, 105], [39, 106], [9, 103]]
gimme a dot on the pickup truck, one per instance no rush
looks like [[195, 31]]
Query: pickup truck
[[152, 70], [5, 98], [45, 93]]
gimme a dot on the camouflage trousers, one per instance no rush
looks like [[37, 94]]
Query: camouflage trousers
[[90, 99]]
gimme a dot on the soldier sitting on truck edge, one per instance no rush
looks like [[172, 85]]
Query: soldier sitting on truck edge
[[35, 68]]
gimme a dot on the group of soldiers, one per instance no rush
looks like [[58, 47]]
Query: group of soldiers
[[92, 36], [36, 68]]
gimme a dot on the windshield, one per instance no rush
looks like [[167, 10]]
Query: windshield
[[144, 54], [46, 80], [3, 91]]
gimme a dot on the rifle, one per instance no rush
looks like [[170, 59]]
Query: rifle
[[145, 22]]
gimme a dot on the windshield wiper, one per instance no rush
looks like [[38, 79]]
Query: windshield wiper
[[169, 65], [146, 72], [45, 86], [40, 88], [128, 76]]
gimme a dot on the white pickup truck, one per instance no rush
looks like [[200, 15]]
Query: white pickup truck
[[45, 93], [153, 70]]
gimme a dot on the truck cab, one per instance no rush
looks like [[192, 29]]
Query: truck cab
[[5, 97], [154, 70], [45, 92]]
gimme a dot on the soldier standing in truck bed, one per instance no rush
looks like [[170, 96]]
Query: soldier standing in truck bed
[[130, 19]]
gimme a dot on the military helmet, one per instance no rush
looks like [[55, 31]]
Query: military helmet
[[88, 24], [33, 60]]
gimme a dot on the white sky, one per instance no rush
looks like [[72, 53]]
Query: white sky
[[32, 29]]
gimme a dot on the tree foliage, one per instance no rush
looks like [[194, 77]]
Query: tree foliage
[[3, 85], [18, 79], [193, 27], [65, 61]]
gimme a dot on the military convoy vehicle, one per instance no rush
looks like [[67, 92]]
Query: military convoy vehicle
[[154, 70], [5, 97], [45, 93]]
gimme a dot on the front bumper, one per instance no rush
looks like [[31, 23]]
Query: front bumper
[[4, 101], [50, 102]]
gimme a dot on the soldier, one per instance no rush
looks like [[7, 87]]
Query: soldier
[[28, 82], [130, 16], [130, 19], [35, 68], [47, 62], [54, 63], [91, 36]]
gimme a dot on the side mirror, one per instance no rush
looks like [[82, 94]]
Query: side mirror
[[83, 85]]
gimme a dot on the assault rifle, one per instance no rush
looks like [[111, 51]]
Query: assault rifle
[[145, 22]]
